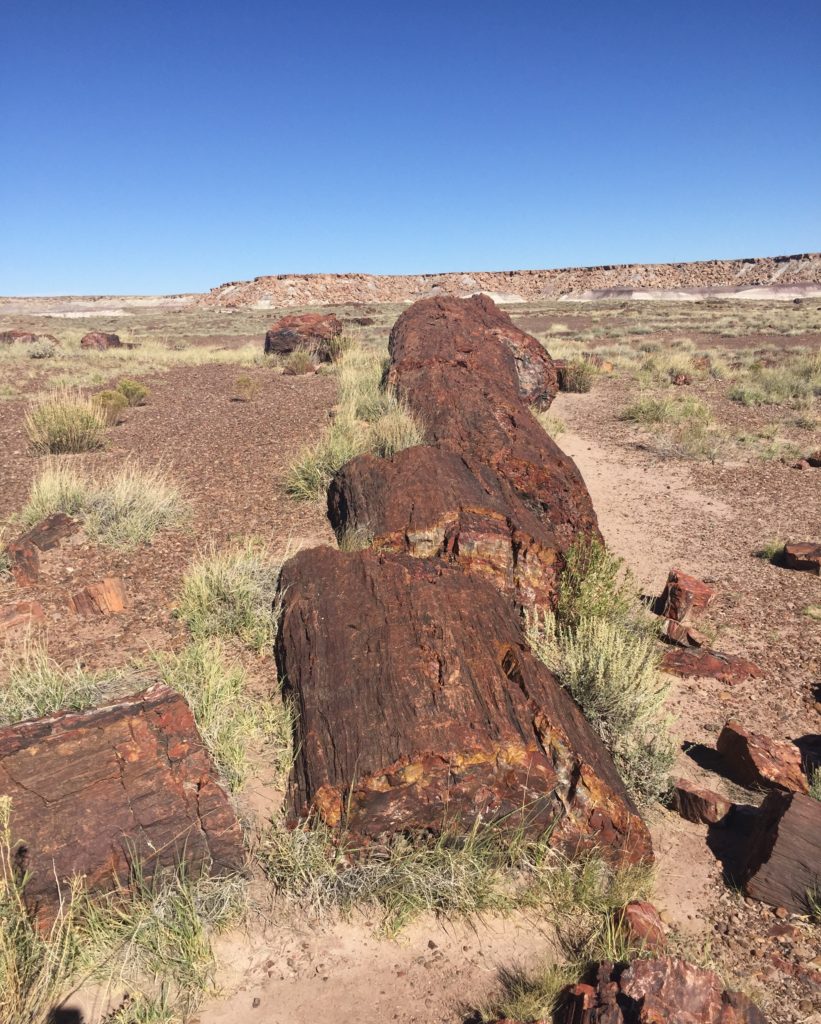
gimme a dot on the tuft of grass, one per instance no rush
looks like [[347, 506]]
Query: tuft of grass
[[368, 417], [121, 508], [231, 593], [812, 610], [228, 720], [132, 391], [577, 376], [771, 551], [612, 672], [245, 388], [794, 383], [492, 869], [36, 685], [355, 539], [66, 422], [112, 403], [815, 783], [340, 345], [43, 349], [300, 361], [648, 410], [552, 425]]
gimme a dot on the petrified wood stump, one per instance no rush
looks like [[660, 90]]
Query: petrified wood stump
[[458, 374], [784, 868], [418, 707], [434, 503], [93, 792]]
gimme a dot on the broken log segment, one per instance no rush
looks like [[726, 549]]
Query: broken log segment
[[434, 503], [128, 783], [418, 707], [784, 867], [460, 378]]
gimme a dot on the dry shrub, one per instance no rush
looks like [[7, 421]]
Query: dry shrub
[[66, 422]]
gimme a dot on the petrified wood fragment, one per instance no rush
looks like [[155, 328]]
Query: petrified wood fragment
[[684, 597], [755, 760], [93, 792], [104, 598], [804, 556], [460, 376], [431, 502], [697, 804], [24, 553], [784, 868], [418, 707], [704, 663], [313, 332]]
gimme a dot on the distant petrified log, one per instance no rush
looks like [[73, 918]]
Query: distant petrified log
[[784, 867], [754, 760], [418, 707], [311, 331], [100, 340], [662, 991], [455, 368], [17, 337], [92, 793], [803, 556], [431, 502]]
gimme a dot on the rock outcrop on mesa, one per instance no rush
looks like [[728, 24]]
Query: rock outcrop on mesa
[[419, 708], [96, 792]]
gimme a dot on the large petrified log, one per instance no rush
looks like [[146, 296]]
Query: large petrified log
[[459, 374], [784, 866], [431, 502], [93, 793], [662, 991], [419, 707]]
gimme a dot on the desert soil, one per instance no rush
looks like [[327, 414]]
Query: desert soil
[[709, 519]]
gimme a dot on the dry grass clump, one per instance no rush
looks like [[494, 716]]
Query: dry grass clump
[[577, 376], [35, 685], [649, 410], [495, 868], [368, 417], [65, 423], [301, 360], [132, 391], [771, 551], [231, 593], [121, 508], [795, 383], [112, 403], [684, 427], [602, 646], [552, 425]]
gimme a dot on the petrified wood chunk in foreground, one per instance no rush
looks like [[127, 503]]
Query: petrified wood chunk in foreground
[[92, 792], [784, 868], [418, 707], [460, 378], [430, 502]]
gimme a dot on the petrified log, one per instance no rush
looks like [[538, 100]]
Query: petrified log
[[104, 598], [24, 562], [662, 991], [24, 553], [702, 662], [755, 760], [803, 556], [431, 502], [100, 340], [419, 707], [456, 370], [684, 597], [784, 868], [642, 926], [25, 338], [93, 793], [22, 613], [697, 804], [310, 331]]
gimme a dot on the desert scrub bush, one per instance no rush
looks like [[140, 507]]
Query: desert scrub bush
[[815, 782], [35, 685], [132, 391], [227, 718], [245, 389], [340, 345], [65, 422], [300, 361], [577, 376], [112, 403], [552, 425], [649, 410], [368, 417], [493, 869], [612, 672], [44, 349], [231, 593], [693, 439], [121, 508], [595, 583]]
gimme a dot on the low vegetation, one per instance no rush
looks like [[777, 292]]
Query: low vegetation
[[578, 376], [228, 718], [35, 685], [650, 410], [121, 508], [494, 869], [602, 646], [132, 391], [553, 425], [771, 551], [795, 382], [368, 417], [66, 422], [231, 593], [113, 403], [815, 783]]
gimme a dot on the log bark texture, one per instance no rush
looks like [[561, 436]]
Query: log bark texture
[[418, 707], [92, 793], [784, 866]]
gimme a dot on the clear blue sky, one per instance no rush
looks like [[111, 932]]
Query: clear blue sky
[[170, 146]]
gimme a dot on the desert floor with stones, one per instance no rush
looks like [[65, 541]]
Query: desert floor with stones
[[693, 433]]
